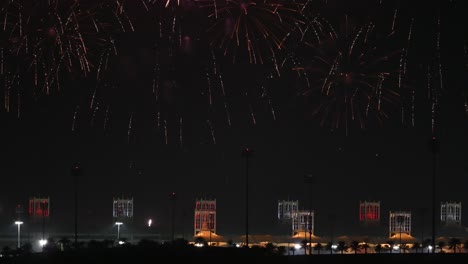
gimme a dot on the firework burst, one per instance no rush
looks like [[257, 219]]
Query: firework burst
[[350, 74], [258, 29], [55, 37]]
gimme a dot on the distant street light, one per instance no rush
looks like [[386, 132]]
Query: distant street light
[[118, 224], [247, 152], [75, 172], [19, 223]]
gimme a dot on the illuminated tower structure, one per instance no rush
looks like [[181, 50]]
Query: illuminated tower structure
[[287, 209], [369, 212], [450, 213], [122, 210], [39, 215], [205, 216], [39, 209], [303, 223], [400, 223]]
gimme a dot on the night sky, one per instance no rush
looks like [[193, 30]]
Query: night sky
[[122, 119]]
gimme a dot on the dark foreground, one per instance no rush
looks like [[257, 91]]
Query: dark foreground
[[219, 255]]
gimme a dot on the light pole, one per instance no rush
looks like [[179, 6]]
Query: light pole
[[434, 147], [247, 152], [173, 197], [210, 225], [19, 223], [75, 172], [400, 220], [118, 224], [309, 179]]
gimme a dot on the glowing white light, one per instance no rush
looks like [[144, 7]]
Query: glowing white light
[[121, 242], [199, 244], [334, 246], [42, 242], [150, 222], [297, 246], [396, 248]]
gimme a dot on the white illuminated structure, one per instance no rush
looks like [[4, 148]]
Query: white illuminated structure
[[450, 213], [400, 223], [303, 223], [122, 208], [287, 209]]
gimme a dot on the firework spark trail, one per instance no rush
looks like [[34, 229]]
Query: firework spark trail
[[405, 62], [212, 132], [166, 138], [181, 127], [158, 120], [155, 82], [74, 120], [106, 118], [93, 115], [208, 87], [129, 130], [252, 115], [395, 14], [215, 66], [6, 104], [266, 96], [226, 109], [440, 71]]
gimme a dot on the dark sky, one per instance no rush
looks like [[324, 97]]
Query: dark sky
[[387, 161]]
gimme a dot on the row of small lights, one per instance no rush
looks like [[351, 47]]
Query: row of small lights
[[43, 241]]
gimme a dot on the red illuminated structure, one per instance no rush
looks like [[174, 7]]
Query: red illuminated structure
[[369, 212], [205, 216], [39, 207]]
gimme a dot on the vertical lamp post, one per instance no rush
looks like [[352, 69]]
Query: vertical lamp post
[[400, 220], [309, 179], [247, 152], [210, 225], [118, 224], [19, 223], [173, 197], [75, 172], [434, 147]]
